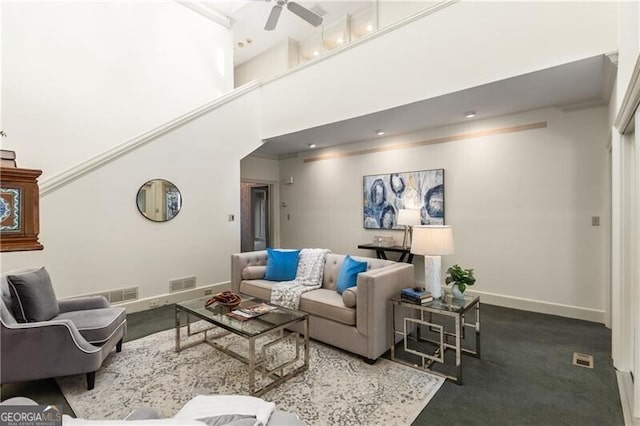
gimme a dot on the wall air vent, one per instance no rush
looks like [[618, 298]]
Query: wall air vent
[[129, 294], [180, 284], [120, 295]]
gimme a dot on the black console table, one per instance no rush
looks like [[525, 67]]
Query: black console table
[[405, 252]]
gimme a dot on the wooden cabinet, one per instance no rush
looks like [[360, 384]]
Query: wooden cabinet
[[19, 209]]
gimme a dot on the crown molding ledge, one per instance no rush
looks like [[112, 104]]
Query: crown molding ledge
[[630, 101], [55, 182], [208, 13]]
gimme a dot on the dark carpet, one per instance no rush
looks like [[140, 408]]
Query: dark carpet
[[525, 376]]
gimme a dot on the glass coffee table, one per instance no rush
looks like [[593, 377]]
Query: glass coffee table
[[270, 327]]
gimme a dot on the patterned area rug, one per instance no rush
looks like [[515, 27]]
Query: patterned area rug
[[338, 389]]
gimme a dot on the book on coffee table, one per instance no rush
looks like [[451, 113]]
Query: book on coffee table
[[251, 311]]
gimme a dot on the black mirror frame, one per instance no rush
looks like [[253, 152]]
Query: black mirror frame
[[149, 182]]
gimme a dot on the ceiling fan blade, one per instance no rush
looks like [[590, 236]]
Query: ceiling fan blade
[[272, 20], [305, 13]]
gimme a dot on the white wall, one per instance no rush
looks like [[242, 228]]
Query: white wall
[[464, 45], [81, 77], [269, 63], [95, 239], [629, 40], [390, 12], [520, 205], [264, 169]]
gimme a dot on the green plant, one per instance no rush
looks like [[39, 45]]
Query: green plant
[[460, 277]]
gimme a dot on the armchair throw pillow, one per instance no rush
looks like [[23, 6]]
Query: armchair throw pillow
[[348, 276], [33, 296], [282, 265]]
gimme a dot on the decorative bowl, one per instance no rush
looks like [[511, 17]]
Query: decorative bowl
[[226, 298]]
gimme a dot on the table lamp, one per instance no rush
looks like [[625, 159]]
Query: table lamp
[[432, 241], [408, 218]]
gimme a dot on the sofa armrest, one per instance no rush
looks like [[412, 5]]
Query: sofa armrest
[[373, 310], [83, 303], [46, 349], [239, 261]]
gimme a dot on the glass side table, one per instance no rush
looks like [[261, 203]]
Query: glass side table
[[429, 330]]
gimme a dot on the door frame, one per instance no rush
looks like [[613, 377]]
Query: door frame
[[274, 202]]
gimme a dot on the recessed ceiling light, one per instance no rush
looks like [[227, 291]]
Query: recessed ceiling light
[[470, 114], [316, 53], [240, 44], [369, 27], [312, 145], [379, 132], [249, 41]]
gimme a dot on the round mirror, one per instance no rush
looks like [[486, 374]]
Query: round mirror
[[159, 200]]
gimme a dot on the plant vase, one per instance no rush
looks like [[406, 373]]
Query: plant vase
[[460, 279], [457, 294]]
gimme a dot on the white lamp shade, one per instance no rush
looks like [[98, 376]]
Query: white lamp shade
[[432, 240], [408, 217]]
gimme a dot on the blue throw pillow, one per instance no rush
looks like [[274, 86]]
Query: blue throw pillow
[[348, 276], [282, 265]]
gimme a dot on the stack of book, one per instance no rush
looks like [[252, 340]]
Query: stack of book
[[414, 295], [7, 158]]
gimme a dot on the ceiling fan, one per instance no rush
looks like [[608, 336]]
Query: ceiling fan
[[302, 12]]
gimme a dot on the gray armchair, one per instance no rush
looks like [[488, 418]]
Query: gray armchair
[[75, 341]]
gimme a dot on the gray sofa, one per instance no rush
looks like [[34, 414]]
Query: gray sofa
[[75, 341], [363, 329]]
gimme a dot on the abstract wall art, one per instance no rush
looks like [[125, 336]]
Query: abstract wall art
[[384, 195]]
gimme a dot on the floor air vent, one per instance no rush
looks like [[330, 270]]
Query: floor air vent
[[583, 360]]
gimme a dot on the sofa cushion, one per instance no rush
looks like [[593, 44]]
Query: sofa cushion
[[33, 298], [96, 325], [253, 272], [257, 288], [327, 304], [282, 265], [350, 297], [348, 276]]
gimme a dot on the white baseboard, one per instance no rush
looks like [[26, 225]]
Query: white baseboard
[[169, 298], [542, 307], [625, 387]]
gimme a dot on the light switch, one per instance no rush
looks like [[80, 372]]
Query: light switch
[[231, 218], [595, 221]]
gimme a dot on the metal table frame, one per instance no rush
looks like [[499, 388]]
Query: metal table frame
[[255, 365], [428, 310]]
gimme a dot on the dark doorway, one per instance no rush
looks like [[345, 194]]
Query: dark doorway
[[256, 220]]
